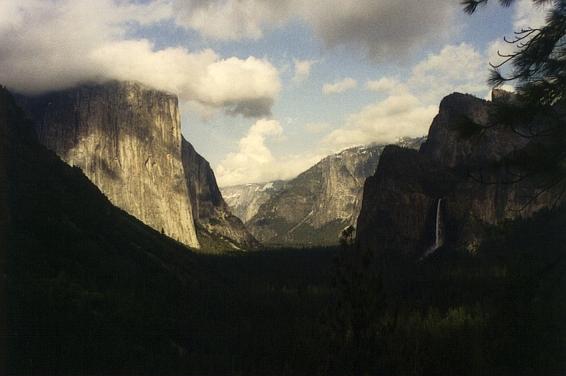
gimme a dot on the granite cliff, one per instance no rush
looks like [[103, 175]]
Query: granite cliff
[[451, 188], [246, 199], [126, 138], [314, 207], [212, 215], [85, 279]]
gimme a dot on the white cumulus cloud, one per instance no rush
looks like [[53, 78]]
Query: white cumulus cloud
[[302, 69], [384, 122], [386, 85], [411, 105], [455, 68], [528, 14], [339, 86], [254, 161], [51, 45]]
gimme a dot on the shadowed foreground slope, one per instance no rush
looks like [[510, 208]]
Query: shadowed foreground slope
[[90, 287], [92, 290]]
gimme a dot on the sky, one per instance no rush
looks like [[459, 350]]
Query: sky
[[267, 87]]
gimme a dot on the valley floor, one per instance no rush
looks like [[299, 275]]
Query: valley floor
[[311, 311]]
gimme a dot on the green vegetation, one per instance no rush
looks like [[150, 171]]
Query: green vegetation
[[304, 235], [309, 311], [91, 290], [496, 312]]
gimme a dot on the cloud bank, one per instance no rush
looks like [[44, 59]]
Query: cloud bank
[[384, 29], [384, 122], [51, 45]]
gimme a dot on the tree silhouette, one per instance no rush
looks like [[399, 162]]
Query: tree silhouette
[[355, 318], [537, 69]]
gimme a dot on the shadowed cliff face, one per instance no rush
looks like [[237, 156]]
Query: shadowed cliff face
[[400, 203], [446, 145], [127, 140], [210, 211]]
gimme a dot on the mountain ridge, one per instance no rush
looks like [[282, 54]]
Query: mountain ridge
[[315, 206], [213, 217]]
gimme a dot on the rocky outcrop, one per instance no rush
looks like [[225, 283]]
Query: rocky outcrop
[[245, 200], [211, 213], [398, 201], [314, 207], [457, 181], [447, 145], [126, 138]]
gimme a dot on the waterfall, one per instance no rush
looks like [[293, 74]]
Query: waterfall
[[438, 240], [437, 235]]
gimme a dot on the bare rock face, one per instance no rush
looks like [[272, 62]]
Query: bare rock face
[[313, 208], [211, 212], [399, 200], [127, 140], [445, 185], [245, 199], [446, 145]]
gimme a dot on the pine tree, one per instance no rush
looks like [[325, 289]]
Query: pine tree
[[537, 69]]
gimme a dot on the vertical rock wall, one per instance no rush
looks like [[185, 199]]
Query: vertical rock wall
[[466, 172], [209, 208], [127, 140]]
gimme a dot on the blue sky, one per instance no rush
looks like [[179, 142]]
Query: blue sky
[[250, 104]]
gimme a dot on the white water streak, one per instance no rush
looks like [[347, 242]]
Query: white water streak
[[438, 240]]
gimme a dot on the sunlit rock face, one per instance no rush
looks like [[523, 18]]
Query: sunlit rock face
[[313, 208], [127, 140], [400, 203], [245, 199], [209, 208]]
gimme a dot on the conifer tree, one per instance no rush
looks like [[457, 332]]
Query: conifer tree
[[537, 69]]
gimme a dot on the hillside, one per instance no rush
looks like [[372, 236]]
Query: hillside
[[78, 267]]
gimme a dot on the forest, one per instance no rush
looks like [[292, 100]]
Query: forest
[[88, 289]]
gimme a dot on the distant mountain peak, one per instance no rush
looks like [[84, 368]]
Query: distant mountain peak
[[314, 207]]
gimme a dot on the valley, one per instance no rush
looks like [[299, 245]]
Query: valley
[[249, 187], [313, 208], [91, 267]]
